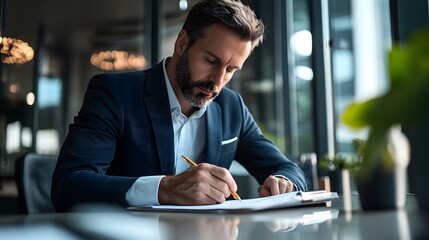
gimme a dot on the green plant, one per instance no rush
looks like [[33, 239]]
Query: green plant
[[406, 101], [344, 162], [336, 162], [359, 145]]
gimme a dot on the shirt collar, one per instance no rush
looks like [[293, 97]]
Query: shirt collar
[[172, 98], [174, 103]]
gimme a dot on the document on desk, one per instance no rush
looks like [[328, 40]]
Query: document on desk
[[292, 199]]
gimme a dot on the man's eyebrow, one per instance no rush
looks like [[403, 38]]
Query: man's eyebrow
[[219, 60]]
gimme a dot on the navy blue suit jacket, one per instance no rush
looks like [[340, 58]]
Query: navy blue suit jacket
[[124, 131]]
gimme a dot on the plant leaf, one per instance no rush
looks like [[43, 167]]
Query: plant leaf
[[360, 115]]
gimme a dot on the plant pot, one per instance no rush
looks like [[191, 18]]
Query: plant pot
[[385, 187], [420, 179], [340, 181], [419, 165]]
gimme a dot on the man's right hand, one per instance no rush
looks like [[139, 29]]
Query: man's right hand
[[203, 184]]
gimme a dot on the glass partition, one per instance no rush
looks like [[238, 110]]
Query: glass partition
[[361, 38]]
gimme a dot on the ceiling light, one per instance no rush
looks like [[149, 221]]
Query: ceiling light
[[183, 5], [118, 61], [15, 51]]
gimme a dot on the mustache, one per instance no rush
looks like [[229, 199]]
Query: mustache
[[207, 85]]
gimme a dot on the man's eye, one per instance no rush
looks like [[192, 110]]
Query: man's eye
[[211, 61], [232, 70]]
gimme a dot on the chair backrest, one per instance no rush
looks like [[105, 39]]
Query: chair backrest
[[308, 164], [34, 179]]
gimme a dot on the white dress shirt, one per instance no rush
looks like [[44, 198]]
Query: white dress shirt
[[189, 140]]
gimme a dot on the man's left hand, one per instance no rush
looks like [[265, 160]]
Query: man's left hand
[[274, 186]]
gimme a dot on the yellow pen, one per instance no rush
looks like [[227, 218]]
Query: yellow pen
[[193, 164]]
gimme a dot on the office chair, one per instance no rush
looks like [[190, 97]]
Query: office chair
[[34, 177]]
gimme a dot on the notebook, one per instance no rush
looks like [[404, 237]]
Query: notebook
[[287, 200]]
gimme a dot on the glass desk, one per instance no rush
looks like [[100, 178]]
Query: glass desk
[[317, 222]]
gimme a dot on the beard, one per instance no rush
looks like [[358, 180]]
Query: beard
[[186, 84]]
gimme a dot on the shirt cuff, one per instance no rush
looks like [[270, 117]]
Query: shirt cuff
[[287, 179], [144, 191]]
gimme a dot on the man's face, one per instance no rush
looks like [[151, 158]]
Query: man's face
[[187, 84], [206, 67]]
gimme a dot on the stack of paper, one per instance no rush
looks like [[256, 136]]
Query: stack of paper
[[292, 199]]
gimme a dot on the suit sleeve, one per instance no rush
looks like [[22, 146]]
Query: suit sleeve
[[88, 150], [261, 157]]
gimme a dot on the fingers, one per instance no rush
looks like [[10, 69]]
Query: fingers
[[263, 192], [221, 174], [219, 180], [274, 186], [203, 184]]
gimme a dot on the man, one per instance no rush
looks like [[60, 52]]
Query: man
[[126, 144]]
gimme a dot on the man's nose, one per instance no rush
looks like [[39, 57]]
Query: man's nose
[[219, 76]]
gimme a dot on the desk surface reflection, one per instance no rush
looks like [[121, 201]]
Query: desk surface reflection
[[315, 222]]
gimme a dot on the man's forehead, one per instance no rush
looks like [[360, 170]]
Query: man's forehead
[[221, 42]]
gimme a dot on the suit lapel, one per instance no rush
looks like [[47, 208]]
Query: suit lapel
[[214, 133], [158, 106]]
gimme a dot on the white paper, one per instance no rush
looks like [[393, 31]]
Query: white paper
[[278, 201]]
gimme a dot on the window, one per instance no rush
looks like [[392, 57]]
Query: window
[[360, 33], [70, 42]]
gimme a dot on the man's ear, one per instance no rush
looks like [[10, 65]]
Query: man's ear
[[181, 42]]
